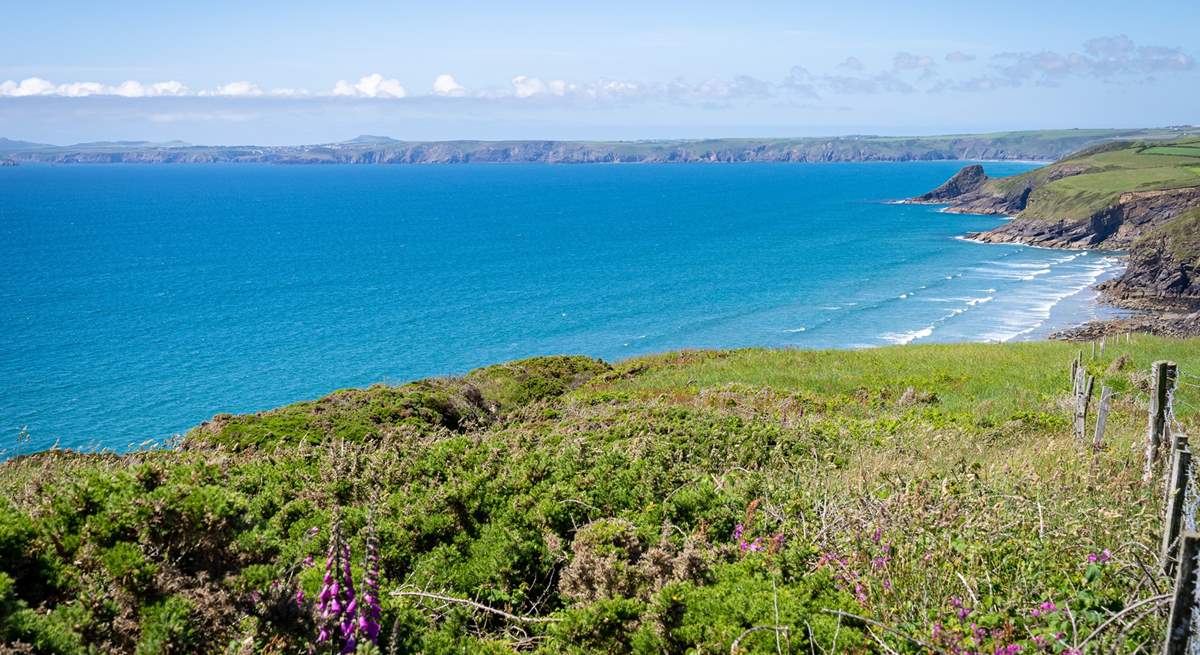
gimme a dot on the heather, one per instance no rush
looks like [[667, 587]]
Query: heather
[[907, 499]]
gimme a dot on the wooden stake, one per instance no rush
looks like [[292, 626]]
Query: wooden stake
[[1102, 417], [1179, 623], [1081, 407], [1181, 467], [1162, 376]]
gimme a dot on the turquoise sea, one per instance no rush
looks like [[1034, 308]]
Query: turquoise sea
[[137, 301]]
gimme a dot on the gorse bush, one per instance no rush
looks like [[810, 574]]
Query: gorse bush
[[915, 499]]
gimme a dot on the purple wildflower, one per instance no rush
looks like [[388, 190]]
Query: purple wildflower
[[372, 612], [346, 619], [1103, 557], [351, 608]]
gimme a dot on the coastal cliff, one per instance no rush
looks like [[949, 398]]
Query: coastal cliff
[[1039, 145], [1139, 197]]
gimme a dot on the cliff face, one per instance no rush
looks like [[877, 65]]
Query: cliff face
[[969, 180], [1159, 227], [1164, 267], [1134, 215], [1032, 145]]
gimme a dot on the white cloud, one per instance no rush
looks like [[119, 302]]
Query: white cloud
[[35, 86], [1102, 57], [371, 86], [959, 57], [168, 88], [80, 89], [525, 86], [241, 88], [446, 85]]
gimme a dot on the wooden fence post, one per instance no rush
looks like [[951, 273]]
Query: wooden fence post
[[1162, 377], [1081, 406], [1181, 466], [1102, 417], [1179, 623]]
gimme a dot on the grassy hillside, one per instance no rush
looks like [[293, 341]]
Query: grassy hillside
[[663, 505], [1098, 176]]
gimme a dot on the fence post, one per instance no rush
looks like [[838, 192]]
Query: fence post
[[1102, 417], [1081, 406], [1179, 623], [1162, 377], [1181, 465]]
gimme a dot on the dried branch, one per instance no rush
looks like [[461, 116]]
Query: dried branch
[[479, 606]]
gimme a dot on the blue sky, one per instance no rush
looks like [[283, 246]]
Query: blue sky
[[272, 73]]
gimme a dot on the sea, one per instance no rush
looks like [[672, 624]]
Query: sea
[[138, 300]]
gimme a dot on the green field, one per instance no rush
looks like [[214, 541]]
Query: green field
[[935, 491], [1101, 174]]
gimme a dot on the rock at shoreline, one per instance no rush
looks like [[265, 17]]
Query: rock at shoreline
[[1163, 325], [1087, 202], [7, 162]]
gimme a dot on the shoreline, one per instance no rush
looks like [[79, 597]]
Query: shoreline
[[1099, 314]]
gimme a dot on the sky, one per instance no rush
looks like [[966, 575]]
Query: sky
[[276, 73]]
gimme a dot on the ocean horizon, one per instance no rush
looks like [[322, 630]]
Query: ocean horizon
[[141, 300]]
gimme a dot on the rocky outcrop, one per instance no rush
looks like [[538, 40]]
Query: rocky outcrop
[[7, 162], [1163, 268], [1117, 227], [969, 180], [968, 192], [1174, 325]]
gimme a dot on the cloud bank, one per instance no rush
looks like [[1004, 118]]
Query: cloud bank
[[1110, 58]]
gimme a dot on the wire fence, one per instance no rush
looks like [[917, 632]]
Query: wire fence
[[1183, 629]]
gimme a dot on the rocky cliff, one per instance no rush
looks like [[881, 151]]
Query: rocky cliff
[[1159, 227], [1044, 145]]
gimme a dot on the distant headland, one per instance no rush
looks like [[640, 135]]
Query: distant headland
[[1034, 145]]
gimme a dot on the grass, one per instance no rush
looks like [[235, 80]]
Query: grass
[[1099, 175], [1182, 240], [933, 489]]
